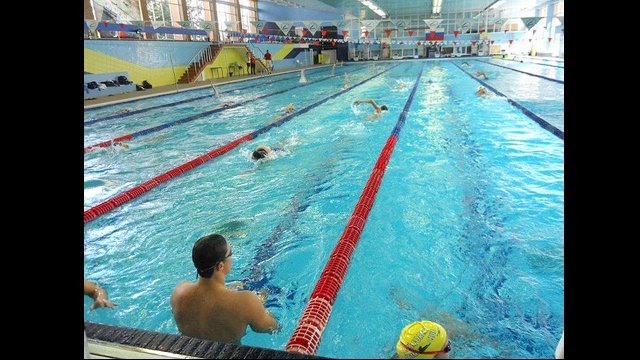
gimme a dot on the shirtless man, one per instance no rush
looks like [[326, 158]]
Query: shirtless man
[[482, 74], [377, 109], [207, 309], [482, 91]]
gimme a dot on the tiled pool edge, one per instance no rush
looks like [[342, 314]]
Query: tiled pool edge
[[183, 345]]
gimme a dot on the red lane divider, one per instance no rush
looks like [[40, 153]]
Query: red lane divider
[[89, 149], [307, 335], [141, 189]]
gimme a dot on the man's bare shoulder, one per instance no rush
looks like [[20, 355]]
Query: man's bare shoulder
[[182, 289]]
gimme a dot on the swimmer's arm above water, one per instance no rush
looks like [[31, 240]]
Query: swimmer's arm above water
[[370, 101]]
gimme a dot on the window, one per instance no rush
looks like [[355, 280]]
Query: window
[[558, 8], [248, 16], [114, 10], [543, 12], [226, 12]]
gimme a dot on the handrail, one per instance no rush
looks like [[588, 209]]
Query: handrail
[[197, 60], [260, 60]]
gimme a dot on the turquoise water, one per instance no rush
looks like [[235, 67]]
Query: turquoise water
[[543, 97], [548, 71], [467, 228]]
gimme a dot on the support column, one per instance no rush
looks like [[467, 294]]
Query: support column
[[185, 16], [175, 10], [239, 15], [88, 10], [211, 14], [144, 15], [549, 20]]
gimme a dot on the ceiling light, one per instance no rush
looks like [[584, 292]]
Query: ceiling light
[[375, 8]]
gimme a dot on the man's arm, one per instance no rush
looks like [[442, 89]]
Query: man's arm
[[260, 319], [370, 101], [98, 294]]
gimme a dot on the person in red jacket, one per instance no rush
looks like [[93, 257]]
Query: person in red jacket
[[267, 57]]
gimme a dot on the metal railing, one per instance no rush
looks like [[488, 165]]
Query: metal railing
[[199, 61]]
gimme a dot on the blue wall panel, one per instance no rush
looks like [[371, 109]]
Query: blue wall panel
[[151, 54]]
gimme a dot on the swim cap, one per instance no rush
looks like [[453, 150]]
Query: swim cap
[[421, 340]]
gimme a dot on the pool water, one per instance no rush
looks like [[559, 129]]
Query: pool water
[[467, 228]]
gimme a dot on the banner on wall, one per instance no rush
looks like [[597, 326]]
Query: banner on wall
[[230, 24], [463, 25], [157, 24], [184, 24], [259, 24], [398, 23], [285, 26], [498, 23], [312, 25], [432, 23], [206, 25], [530, 22], [343, 25], [92, 24], [369, 25]]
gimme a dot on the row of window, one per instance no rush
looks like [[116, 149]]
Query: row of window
[[171, 11]]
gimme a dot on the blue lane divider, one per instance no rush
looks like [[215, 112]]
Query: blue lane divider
[[530, 62], [524, 72], [138, 190], [196, 116], [542, 122], [133, 112], [407, 105]]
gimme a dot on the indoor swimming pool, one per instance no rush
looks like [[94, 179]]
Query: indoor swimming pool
[[467, 228]]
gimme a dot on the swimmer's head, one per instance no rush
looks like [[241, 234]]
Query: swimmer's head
[[384, 107], [422, 340], [259, 154]]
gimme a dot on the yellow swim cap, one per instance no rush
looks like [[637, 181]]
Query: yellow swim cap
[[421, 340]]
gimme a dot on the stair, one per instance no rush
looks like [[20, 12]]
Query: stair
[[206, 57]]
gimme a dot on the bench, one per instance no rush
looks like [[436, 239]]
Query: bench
[[93, 93]]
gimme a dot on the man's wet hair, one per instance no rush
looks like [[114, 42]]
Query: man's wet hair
[[207, 252], [384, 107], [259, 154]]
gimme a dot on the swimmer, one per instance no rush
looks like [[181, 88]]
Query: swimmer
[[347, 83], [378, 109], [482, 74], [225, 104], [482, 91], [117, 143], [264, 151], [400, 85], [123, 111], [215, 90], [465, 64], [287, 110], [415, 344]]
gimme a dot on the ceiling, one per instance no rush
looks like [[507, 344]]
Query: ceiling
[[351, 9]]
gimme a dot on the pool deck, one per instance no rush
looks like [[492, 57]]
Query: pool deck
[[116, 342], [88, 103]]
